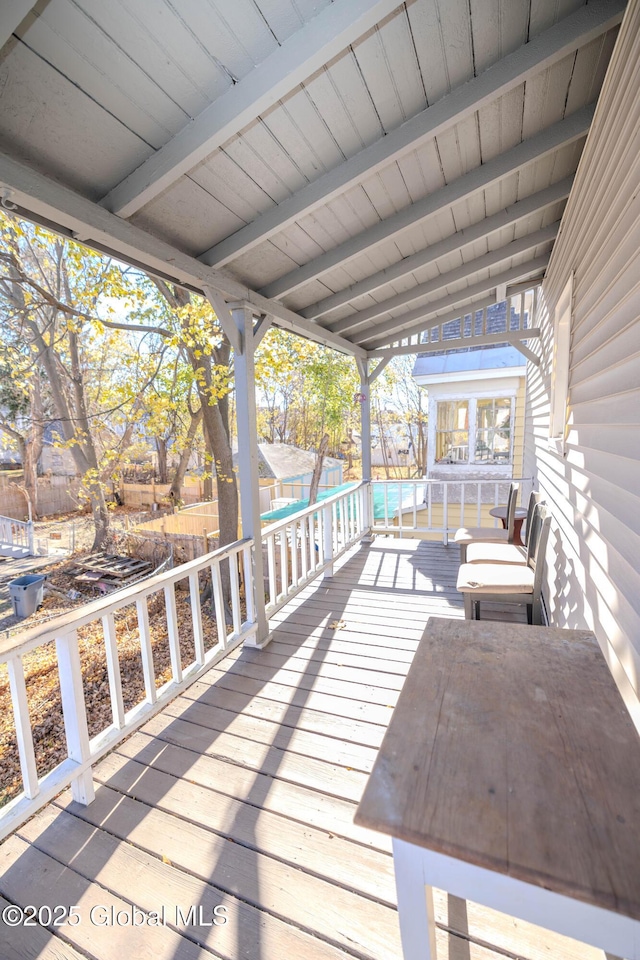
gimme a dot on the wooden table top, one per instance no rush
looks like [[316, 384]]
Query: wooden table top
[[500, 513], [511, 748]]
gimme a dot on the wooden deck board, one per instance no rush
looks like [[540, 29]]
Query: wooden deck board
[[243, 792]]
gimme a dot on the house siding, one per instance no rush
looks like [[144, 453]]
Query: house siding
[[593, 577]]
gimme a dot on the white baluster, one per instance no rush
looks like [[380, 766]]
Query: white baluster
[[218, 600], [113, 669], [247, 567], [172, 631], [145, 649], [24, 733], [327, 515], [235, 592], [75, 713], [196, 617]]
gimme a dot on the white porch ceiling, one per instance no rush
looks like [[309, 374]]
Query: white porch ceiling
[[353, 169]]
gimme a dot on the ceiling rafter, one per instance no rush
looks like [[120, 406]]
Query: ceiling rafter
[[511, 215], [541, 52], [317, 42], [558, 135], [404, 326], [61, 208], [12, 13], [468, 269]]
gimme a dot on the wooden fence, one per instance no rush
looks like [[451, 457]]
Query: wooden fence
[[144, 495], [55, 495]]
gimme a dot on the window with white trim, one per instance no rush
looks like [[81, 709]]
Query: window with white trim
[[452, 431], [493, 430], [477, 430]]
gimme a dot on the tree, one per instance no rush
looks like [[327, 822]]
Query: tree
[[50, 293], [21, 395], [190, 325], [195, 420], [305, 391], [411, 403]]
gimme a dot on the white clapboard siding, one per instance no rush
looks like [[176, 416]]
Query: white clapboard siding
[[593, 574]]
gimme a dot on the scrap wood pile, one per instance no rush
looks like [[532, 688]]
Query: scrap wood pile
[[44, 689], [109, 571]]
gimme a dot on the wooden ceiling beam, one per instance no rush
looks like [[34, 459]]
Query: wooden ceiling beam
[[511, 215], [468, 269], [318, 41], [538, 54], [525, 153], [12, 13]]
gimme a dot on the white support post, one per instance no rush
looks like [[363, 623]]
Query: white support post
[[248, 461], [365, 418], [30, 535], [75, 714], [365, 435]]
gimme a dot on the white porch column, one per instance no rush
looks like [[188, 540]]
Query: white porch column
[[248, 455], [365, 418]]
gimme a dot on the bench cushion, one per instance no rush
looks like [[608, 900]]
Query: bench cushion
[[478, 552], [495, 578], [483, 534]]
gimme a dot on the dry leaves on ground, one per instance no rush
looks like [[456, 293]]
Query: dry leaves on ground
[[44, 689]]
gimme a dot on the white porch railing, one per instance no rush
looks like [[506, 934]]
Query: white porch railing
[[304, 545], [296, 550], [82, 750], [426, 506], [16, 533]]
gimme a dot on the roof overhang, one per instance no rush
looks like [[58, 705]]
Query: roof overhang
[[343, 168]]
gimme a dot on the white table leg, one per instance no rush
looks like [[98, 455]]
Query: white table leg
[[415, 903]]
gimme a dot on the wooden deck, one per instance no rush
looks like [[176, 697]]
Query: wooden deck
[[242, 793]]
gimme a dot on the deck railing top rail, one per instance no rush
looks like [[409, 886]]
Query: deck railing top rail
[[36, 636]]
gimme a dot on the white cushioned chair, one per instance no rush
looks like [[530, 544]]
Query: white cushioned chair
[[509, 582], [482, 552], [466, 535]]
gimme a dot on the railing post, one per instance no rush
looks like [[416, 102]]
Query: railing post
[[74, 713], [327, 540]]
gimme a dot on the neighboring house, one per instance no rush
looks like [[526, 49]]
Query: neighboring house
[[476, 405], [293, 467], [393, 449], [56, 459], [476, 412]]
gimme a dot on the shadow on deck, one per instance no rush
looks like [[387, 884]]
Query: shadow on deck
[[242, 792]]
